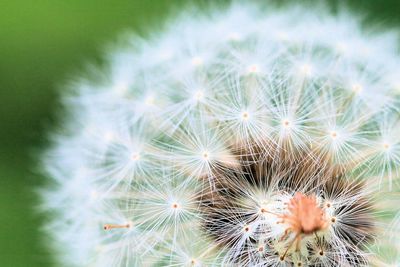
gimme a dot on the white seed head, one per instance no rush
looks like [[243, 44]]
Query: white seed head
[[250, 136]]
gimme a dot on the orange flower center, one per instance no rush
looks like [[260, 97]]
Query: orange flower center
[[304, 216]]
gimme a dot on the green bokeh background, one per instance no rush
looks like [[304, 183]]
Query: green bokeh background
[[43, 43]]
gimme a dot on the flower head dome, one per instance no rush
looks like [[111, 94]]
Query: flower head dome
[[248, 137]]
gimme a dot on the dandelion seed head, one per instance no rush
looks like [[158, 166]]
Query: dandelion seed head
[[235, 138]]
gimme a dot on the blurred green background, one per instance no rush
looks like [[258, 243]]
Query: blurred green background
[[43, 43]]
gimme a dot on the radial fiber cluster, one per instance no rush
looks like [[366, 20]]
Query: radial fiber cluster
[[249, 136]]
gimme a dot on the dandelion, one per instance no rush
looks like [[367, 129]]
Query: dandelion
[[247, 137]]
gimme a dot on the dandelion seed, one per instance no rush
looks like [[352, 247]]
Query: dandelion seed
[[135, 156], [245, 116], [198, 95], [149, 101], [115, 226], [197, 61], [357, 88], [334, 134], [386, 146], [306, 69], [254, 68], [234, 36], [109, 136], [286, 123]]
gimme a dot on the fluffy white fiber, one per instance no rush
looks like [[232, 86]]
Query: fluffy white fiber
[[139, 171]]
